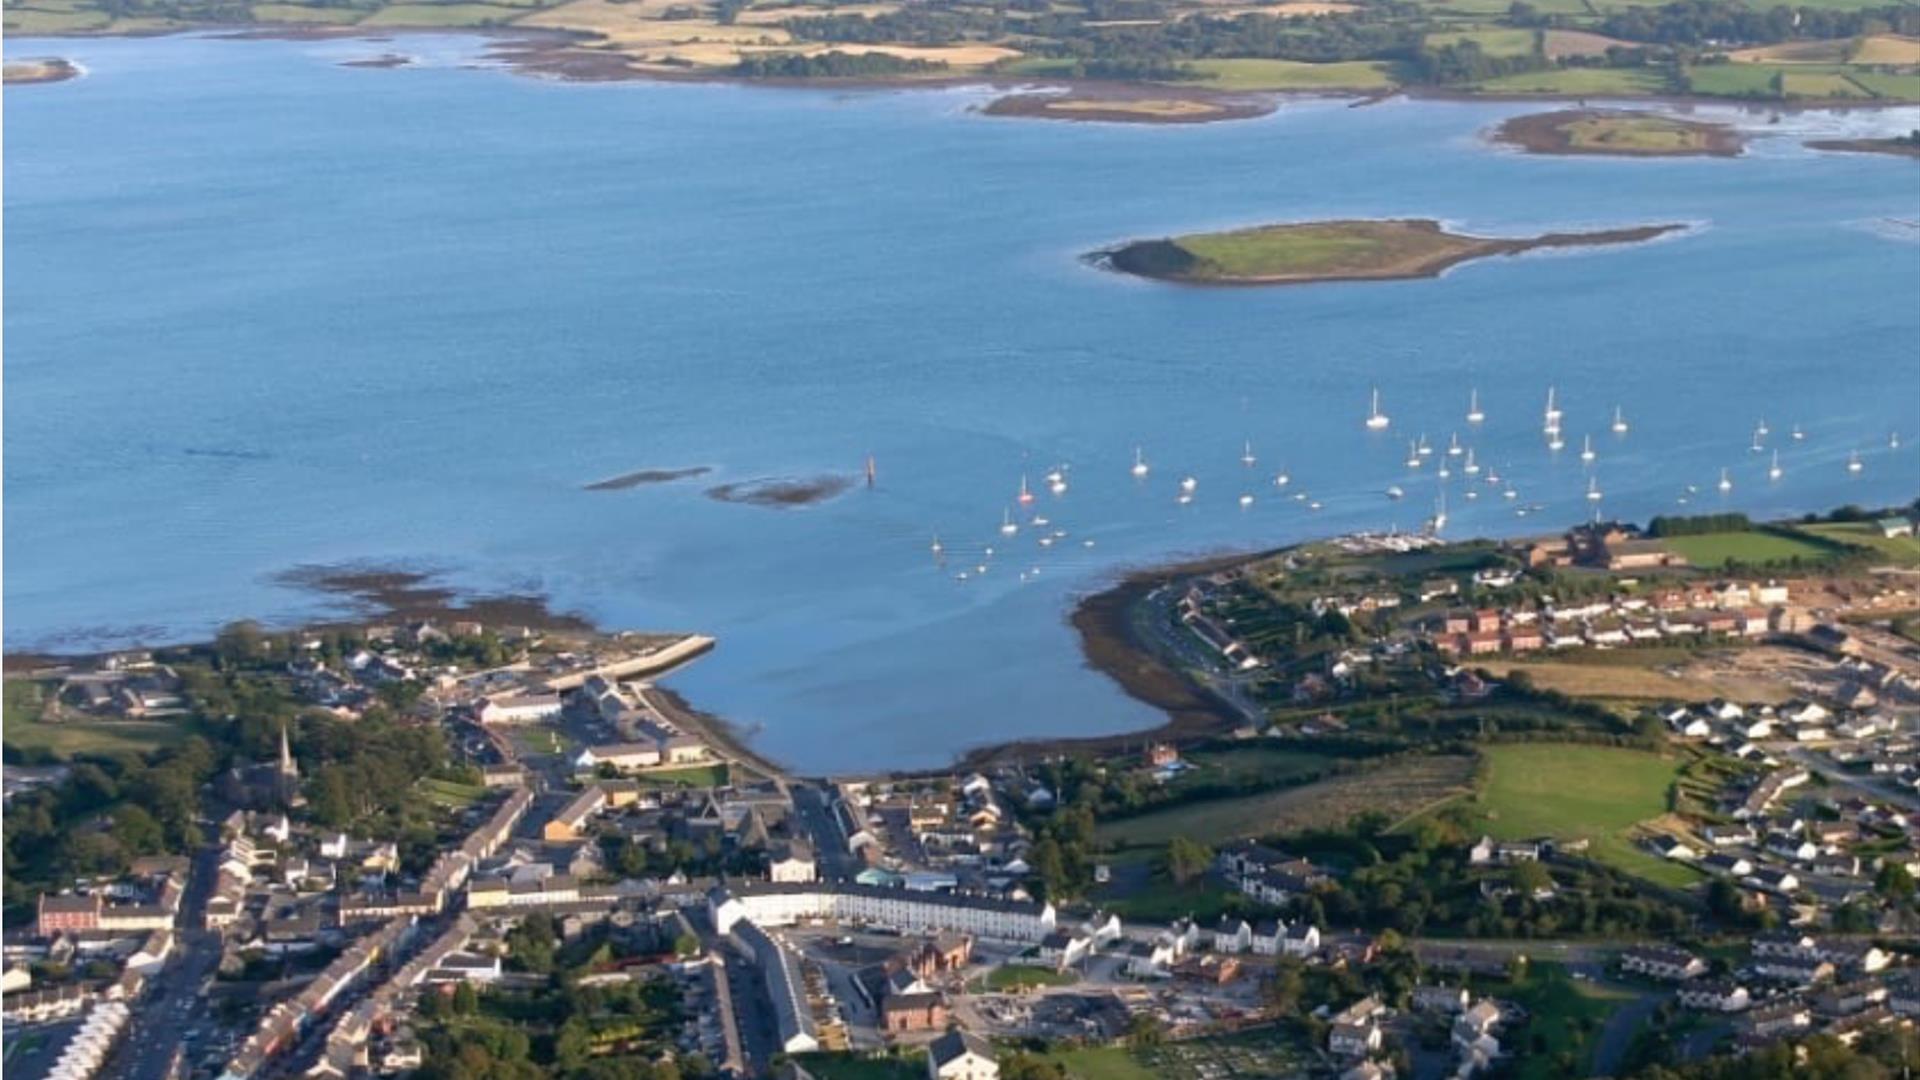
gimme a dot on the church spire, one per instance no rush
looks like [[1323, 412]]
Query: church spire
[[288, 767]]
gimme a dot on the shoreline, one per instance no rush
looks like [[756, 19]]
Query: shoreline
[[1111, 644], [40, 71], [570, 56], [1883, 147]]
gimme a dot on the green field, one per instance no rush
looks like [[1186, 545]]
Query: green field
[[1623, 81], [306, 13], [1500, 42], [1732, 80], [1904, 550], [704, 776], [852, 1066], [442, 15], [1570, 791], [1314, 250], [1019, 977], [1747, 548], [89, 737], [450, 795], [1290, 75], [1252, 762], [1564, 1014], [1905, 87]]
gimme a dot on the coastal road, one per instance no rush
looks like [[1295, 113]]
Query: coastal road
[[157, 1027], [813, 805], [706, 729]]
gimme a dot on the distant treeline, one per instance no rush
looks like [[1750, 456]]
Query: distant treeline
[[1697, 22], [1697, 524], [832, 65]]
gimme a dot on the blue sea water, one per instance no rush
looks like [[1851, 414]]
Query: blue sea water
[[263, 310]]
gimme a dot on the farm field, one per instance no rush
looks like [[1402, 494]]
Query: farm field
[[1396, 790], [1749, 548], [1571, 791], [1251, 762], [1253, 74], [1900, 549], [1654, 679], [1628, 81]]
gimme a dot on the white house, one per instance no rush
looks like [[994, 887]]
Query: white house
[[960, 1055]]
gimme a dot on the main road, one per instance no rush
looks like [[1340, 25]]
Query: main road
[[156, 1028]]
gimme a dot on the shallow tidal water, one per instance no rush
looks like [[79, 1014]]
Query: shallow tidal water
[[266, 311]]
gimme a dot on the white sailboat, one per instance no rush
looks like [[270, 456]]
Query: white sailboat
[[1586, 449], [1454, 449], [1853, 462], [1246, 455], [1246, 501], [937, 546], [1471, 468], [1426, 451], [1619, 421], [1798, 435], [1593, 489], [1007, 527], [1444, 471], [1761, 429], [1139, 462], [1773, 470], [1553, 410], [1439, 519], [1395, 492], [1726, 482], [1026, 496], [1758, 434], [1554, 441], [1474, 413], [1282, 478], [1058, 487], [1187, 484], [1376, 420], [1893, 440], [1413, 455]]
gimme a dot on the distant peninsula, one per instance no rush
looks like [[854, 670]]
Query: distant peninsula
[[645, 477], [1907, 146], [1358, 250], [1618, 133], [45, 70], [1141, 107]]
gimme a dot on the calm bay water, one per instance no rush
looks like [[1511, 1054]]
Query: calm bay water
[[263, 310]]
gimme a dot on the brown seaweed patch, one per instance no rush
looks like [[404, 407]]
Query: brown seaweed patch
[[644, 477], [782, 492]]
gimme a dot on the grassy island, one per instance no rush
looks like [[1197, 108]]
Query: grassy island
[[1334, 251], [1143, 108], [48, 70], [1619, 134]]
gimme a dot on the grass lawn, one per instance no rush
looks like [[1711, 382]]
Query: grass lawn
[[450, 795], [1823, 85], [1249, 762], [1565, 1016], [1254, 74], [1017, 977], [714, 775], [852, 1066], [542, 739], [1749, 548], [1571, 791], [41, 21], [1904, 550], [1101, 1063], [1627, 82], [87, 737]]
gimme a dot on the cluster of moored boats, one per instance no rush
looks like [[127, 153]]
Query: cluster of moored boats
[[1456, 457]]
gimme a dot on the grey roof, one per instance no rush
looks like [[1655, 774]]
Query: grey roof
[[955, 1044]]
